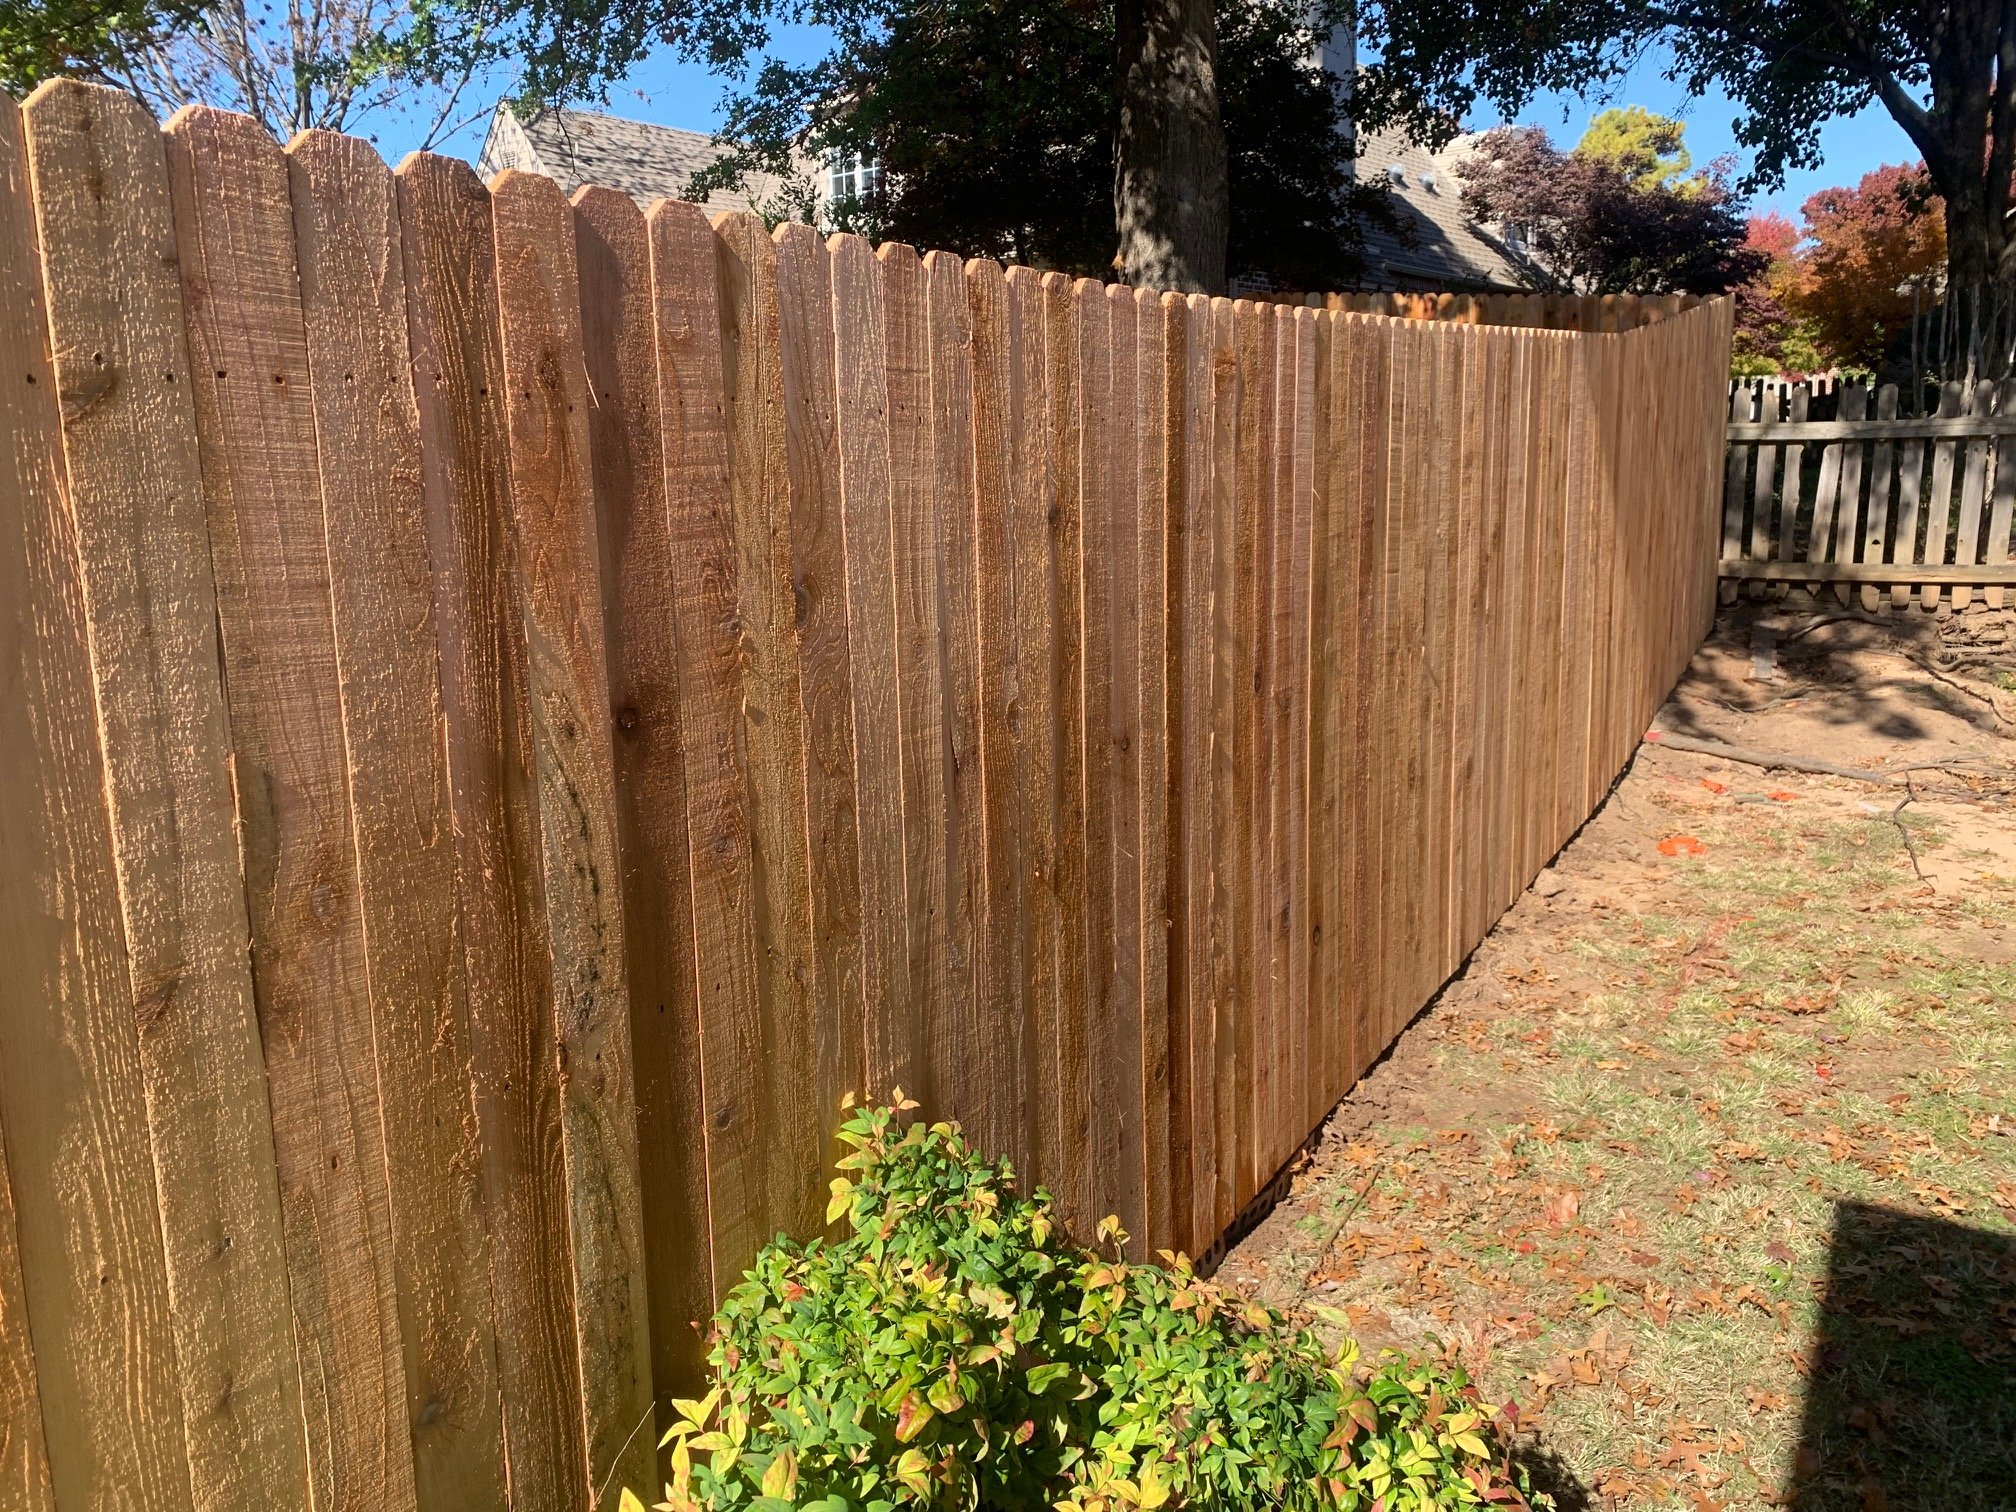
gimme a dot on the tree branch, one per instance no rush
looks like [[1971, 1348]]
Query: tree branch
[[1863, 63]]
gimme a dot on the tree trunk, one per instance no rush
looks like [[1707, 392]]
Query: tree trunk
[[1171, 203], [1976, 314]]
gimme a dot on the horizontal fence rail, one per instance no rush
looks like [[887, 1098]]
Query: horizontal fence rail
[[515, 706], [1831, 490]]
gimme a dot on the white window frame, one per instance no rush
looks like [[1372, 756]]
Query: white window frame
[[851, 177]]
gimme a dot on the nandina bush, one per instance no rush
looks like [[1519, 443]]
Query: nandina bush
[[954, 1350]]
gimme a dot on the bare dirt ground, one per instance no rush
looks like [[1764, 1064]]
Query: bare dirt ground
[[1708, 1158]]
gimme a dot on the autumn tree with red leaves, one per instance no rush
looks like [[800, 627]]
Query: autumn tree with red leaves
[[1842, 289], [1875, 251]]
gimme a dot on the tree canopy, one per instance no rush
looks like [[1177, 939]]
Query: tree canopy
[[1791, 65], [317, 63], [993, 122], [1648, 149], [1842, 289], [98, 39], [1591, 224]]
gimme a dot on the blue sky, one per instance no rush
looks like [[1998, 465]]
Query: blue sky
[[1851, 146], [672, 93]]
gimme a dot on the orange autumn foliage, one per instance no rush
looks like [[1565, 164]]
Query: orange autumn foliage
[[1867, 247]]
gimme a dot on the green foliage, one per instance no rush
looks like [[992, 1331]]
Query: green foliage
[[332, 64], [90, 39], [1589, 227], [1789, 67], [994, 123], [1647, 148], [954, 1350]]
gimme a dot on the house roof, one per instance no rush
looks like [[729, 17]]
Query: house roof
[[647, 162], [1447, 249]]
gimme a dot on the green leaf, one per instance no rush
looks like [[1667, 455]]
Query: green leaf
[[1042, 1377]]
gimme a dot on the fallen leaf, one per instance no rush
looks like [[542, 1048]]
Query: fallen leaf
[[1681, 845], [1779, 1252], [1939, 1196], [1781, 796], [1713, 786]]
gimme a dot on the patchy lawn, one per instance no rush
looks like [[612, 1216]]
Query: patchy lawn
[[1709, 1157]]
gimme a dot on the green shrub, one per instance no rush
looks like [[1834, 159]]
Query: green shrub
[[955, 1351]]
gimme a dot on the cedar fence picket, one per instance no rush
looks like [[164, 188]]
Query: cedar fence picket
[[515, 706]]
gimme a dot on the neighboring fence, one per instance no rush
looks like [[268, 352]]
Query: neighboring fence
[[630, 682], [1545, 312], [1834, 491]]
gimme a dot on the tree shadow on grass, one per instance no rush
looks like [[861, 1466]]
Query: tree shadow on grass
[[1911, 1401]]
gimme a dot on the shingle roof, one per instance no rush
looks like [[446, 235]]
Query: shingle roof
[[647, 162], [575, 147], [1449, 250]]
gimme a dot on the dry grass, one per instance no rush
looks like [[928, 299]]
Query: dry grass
[[1709, 1163]]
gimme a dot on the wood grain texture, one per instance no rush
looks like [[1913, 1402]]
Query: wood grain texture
[[451, 314], [1875, 538], [1091, 1043], [1365, 442], [675, 674], [1013, 765], [845, 891], [1231, 1050], [973, 1064], [1795, 478], [693, 425], [1245, 849], [24, 1451], [846, 547], [1193, 1152], [919, 649], [122, 371], [1973, 491], [85, 1227], [1078, 1011], [269, 553], [353, 300], [1273, 465], [1848, 493], [560, 595], [1954, 401], [1325, 853], [1159, 387], [1110, 578], [801, 1054], [633, 529], [1295, 619]]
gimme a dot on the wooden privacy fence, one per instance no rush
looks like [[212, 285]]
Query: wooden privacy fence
[[512, 708], [1546, 312], [1833, 490]]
